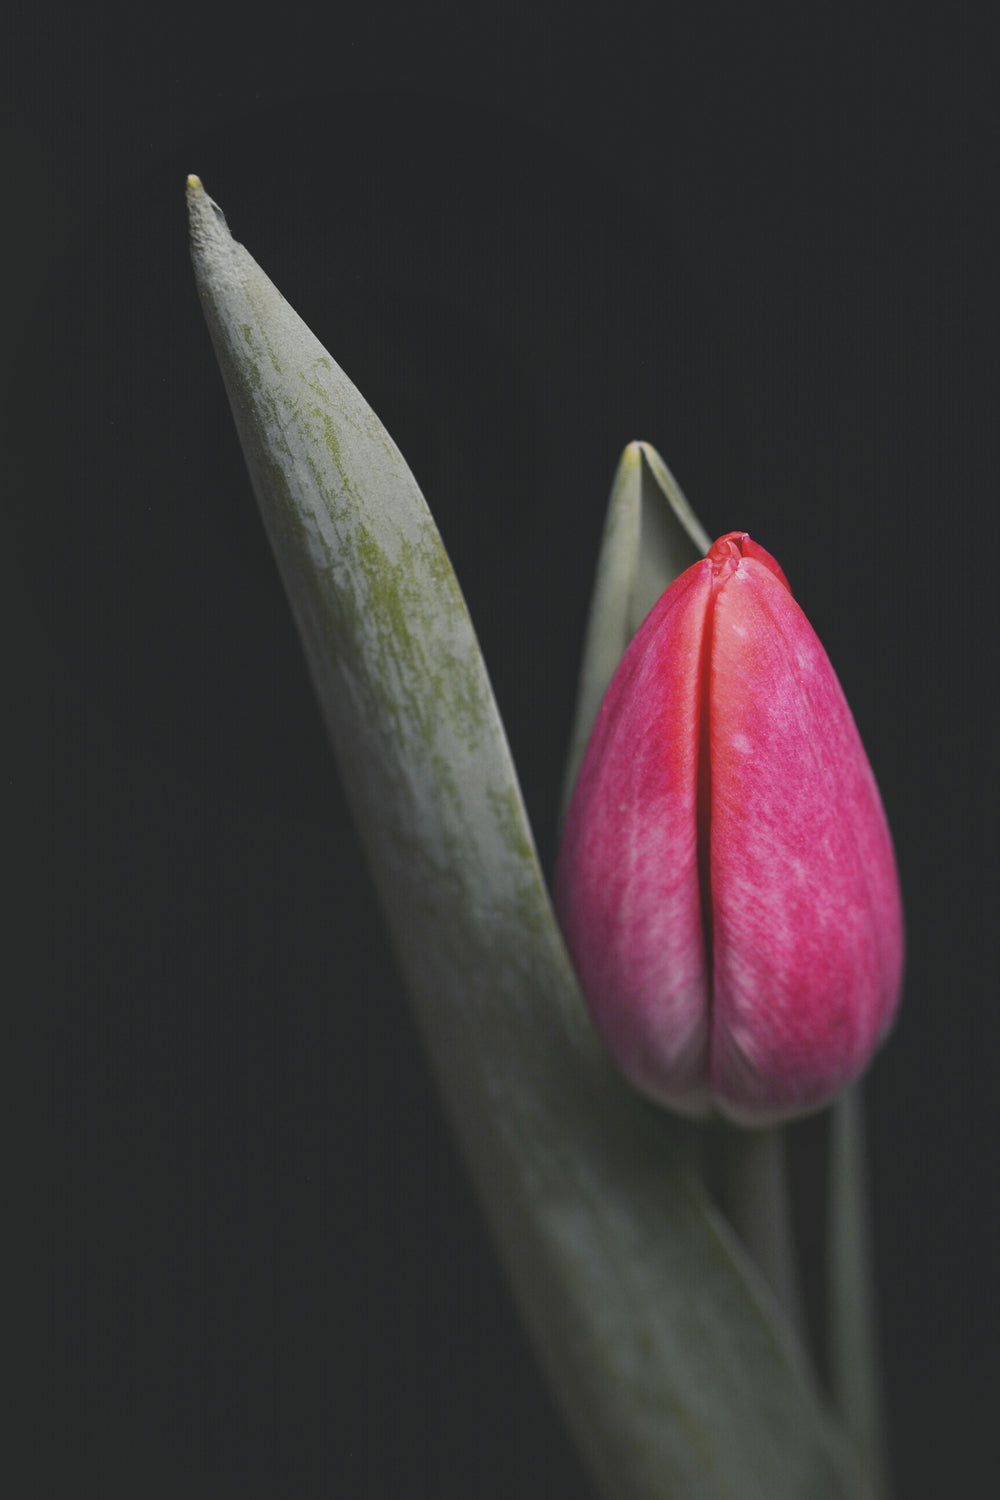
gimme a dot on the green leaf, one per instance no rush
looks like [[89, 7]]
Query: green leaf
[[651, 535], [675, 1373]]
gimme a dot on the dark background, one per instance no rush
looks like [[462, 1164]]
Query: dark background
[[240, 1254]]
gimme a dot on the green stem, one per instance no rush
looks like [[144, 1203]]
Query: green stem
[[753, 1192], [855, 1377]]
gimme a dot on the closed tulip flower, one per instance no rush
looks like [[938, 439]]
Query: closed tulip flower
[[726, 881]]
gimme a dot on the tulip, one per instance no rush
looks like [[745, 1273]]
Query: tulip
[[726, 880], [607, 1247]]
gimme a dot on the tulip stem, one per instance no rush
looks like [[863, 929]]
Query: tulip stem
[[753, 1193], [854, 1367]]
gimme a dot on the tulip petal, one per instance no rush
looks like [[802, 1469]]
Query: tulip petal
[[807, 925], [627, 885]]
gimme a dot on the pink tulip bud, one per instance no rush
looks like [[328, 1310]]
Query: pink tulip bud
[[726, 880]]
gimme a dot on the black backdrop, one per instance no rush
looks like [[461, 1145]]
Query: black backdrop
[[241, 1256]]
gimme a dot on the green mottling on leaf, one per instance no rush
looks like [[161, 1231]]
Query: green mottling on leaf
[[330, 436], [507, 809]]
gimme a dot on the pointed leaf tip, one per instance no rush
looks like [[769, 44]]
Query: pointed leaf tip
[[206, 220]]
